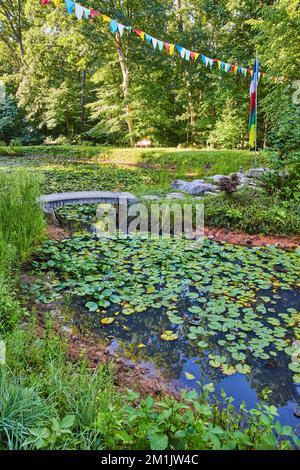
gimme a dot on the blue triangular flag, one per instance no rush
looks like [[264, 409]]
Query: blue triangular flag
[[148, 38], [160, 45], [70, 6], [113, 26]]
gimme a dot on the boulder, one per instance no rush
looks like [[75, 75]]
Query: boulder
[[257, 172], [178, 184], [216, 178], [192, 187], [197, 187]]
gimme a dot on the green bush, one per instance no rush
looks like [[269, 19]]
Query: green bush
[[21, 218], [253, 211]]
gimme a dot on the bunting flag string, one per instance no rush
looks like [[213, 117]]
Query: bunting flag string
[[82, 12]]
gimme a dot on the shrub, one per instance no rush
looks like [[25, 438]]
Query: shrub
[[253, 211], [229, 184]]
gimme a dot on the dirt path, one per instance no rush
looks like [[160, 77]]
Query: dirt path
[[241, 238]]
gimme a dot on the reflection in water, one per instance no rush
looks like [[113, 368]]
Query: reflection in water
[[137, 338]]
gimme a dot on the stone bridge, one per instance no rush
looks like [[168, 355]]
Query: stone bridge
[[51, 201]]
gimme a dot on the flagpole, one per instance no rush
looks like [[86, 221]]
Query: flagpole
[[256, 87]]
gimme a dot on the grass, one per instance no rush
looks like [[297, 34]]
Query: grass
[[21, 218], [47, 402], [188, 163], [141, 171]]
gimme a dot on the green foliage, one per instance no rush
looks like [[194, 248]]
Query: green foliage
[[43, 405], [21, 217], [10, 311], [228, 129], [73, 77], [253, 212]]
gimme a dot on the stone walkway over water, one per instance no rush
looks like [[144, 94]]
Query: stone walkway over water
[[51, 201]]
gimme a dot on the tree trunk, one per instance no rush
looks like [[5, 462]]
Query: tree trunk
[[82, 100], [125, 84]]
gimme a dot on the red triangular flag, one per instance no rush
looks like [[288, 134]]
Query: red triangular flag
[[167, 46], [95, 13]]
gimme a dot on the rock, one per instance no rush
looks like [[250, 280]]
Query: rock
[[216, 178], [242, 178], [178, 184], [150, 197], [192, 187], [197, 187], [211, 193], [297, 411], [257, 172], [175, 196]]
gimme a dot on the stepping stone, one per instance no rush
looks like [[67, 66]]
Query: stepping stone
[[175, 196]]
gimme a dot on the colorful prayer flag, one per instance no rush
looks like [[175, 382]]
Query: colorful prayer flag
[[70, 5], [253, 103]]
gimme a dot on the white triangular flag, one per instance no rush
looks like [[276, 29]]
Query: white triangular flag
[[79, 10], [121, 28], [154, 42]]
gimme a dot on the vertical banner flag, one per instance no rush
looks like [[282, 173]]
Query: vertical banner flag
[[253, 103]]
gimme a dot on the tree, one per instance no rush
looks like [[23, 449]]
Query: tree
[[228, 129]]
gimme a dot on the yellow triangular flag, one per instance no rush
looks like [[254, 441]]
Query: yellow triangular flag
[[172, 49], [56, 2], [236, 69], [197, 55], [106, 18]]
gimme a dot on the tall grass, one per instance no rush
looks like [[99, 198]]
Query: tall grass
[[21, 218], [39, 388]]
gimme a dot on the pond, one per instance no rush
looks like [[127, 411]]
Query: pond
[[199, 313]]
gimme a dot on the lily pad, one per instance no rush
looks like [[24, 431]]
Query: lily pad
[[169, 335]]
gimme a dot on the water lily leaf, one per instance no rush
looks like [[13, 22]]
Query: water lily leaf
[[92, 306], [295, 367], [296, 378], [239, 356], [169, 335], [107, 320], [202, 344], [215, 364], [243, 368], [228, 370], [189, 376]]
